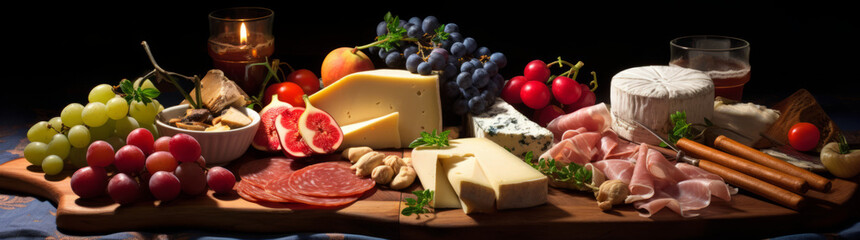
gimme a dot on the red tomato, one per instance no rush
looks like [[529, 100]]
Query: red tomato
[[288, 92], [803, 136], [511, 91], [535, 94], [309, 81], [536, 70], [565, 90]]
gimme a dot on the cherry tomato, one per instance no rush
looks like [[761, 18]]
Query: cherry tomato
[[288, 92], [309, 81], [587, 98], [511, 90], [565, 90], [536, 70], [803, 136], [535, 94]]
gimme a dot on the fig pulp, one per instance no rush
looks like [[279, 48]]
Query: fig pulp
[[288, 133], [266, 138], [319, 130]]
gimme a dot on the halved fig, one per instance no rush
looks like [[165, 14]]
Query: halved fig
[[266, 138], [319, 130], [288, 133]]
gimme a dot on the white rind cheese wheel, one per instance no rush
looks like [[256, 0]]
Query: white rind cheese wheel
[[650, 94]]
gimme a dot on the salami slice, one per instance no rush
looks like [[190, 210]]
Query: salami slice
[[243, 192], [254, 193], [328, 179], [281, 188], [261, 171]]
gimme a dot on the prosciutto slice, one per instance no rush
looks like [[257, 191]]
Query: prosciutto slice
[[595, 118], [584, 137]]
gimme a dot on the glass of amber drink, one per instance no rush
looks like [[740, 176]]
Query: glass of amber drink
[[724, 59]]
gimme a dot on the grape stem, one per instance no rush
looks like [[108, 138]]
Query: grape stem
[[574, 69], [161, 74], [273, 72]]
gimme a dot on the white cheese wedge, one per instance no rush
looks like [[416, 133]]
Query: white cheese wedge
[[748, 119], [506, 126], [515, 184], [650, 94], [467, 179], [365, 95], [377, 133]]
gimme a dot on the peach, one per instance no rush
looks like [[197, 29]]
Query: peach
[[343, 61]]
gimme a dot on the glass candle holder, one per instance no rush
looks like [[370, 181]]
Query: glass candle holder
[[725, 59], [238, 38]]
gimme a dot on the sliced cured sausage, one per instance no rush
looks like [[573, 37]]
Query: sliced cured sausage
[[282, 188], [261, 171], [255, 193], [329, 179]]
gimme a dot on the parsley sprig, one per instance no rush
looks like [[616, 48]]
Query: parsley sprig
[[419, 205], [573, 173], [431, 139], [682, 129]]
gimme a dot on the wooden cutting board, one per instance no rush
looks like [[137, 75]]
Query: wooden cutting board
[[568, 214]]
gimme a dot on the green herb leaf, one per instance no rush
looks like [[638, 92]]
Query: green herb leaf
[[150, 92], [573, 173], [431, 139], [681, 128], [420, 205], [440, 34], [126, 86]]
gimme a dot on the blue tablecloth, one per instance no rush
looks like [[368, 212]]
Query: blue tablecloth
[[23, 216]]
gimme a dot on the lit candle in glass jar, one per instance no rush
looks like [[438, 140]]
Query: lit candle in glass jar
[[238, 38]]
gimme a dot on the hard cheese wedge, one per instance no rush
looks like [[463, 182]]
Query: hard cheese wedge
[[377, 133], [366, 95], [429, 170], [467, 179], [515, 184]]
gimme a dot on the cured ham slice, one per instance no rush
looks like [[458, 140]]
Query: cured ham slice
[[579, 146], [641, 184], [595, 118], [329, 179], [616, 169]]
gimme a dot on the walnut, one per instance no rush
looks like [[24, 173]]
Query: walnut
[[612, 192]]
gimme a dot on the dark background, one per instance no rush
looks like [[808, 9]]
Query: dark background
[[61, 51]]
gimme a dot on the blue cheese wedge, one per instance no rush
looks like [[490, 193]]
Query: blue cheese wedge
[[506, 126]]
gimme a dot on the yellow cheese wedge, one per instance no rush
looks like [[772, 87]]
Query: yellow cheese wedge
[[468, 181], [432, 176], [377, 133], [365, 95], [515, 183]]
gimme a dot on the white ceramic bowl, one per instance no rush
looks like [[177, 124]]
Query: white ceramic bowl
[[218, 148]]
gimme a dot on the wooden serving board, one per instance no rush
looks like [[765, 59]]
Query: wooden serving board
[[568, 214]]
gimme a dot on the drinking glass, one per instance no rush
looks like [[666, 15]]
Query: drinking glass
[[724, 59]]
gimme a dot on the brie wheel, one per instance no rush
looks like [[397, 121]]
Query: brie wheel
[[650, 94]]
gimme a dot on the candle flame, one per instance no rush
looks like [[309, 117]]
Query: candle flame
[[243, 34]]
